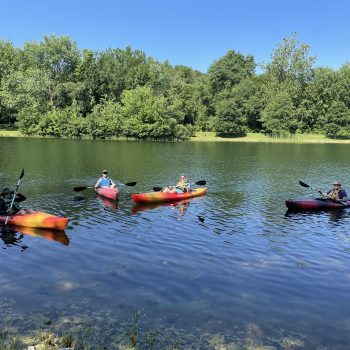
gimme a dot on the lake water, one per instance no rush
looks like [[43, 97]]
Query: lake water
[[228, 268]]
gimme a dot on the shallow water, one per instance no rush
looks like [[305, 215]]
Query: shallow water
[[231, 264]]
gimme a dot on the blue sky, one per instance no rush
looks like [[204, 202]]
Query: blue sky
[[189, 32]]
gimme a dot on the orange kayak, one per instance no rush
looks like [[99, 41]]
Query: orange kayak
[[108, 192], [38, 219], [159, 197]]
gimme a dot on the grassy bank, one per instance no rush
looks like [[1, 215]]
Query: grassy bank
[[10, 133], [257, 137], [211, 137]]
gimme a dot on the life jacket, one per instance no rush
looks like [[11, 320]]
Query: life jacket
[[105, 182], [182, 185], [5, 204], [334, 194]]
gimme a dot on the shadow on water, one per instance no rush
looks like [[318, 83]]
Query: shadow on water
[[13, 235]]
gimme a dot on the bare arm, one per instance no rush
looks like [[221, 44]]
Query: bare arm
[[97, 183]]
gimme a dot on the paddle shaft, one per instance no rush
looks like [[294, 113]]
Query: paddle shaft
[[200, 183], [14, 196], [82, 188]]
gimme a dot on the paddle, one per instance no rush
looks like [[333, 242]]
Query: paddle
[[320, 192], [82, 188], [14, 195], [199, 183]]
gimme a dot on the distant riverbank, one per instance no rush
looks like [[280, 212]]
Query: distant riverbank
[[211, 137], [259, 137]]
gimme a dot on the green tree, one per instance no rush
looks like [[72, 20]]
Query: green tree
[[291, 62], [146, 115], [317, 99], [278, 116], [9, 62], [106, 120], [338, 121], [58, 56], [229, 70]]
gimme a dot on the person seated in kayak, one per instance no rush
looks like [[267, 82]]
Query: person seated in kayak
[[5, 203], [336, 193], [105, 181], [181, 187]]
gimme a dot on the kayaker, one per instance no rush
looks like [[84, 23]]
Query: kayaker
[[181, 187], [336, 193], [5, 203], [105, 181]]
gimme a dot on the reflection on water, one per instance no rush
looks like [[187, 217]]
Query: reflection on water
[[335, 215], [11, 237], [181, 206], [249, 275], [14, 235], [107, 203]]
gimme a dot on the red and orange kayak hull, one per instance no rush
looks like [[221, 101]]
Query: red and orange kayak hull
[[159, 197], [38, 219]]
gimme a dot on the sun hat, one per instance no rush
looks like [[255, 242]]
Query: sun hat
[[6, 190], [337, 183], [105, 171]]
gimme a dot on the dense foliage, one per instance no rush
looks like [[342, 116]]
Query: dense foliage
[[51, 88]]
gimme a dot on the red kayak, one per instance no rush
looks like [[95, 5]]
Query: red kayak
[[315, 204], [108, 192]]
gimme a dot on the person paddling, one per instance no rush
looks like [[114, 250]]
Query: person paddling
[[5, 203], [181, 187], [105, 181], [336, 193]]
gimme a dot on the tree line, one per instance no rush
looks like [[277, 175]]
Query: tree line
[[52, 88]]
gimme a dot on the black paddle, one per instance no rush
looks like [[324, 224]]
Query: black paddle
[[82, 188], [320, 192], [14, 195], [199, 183]]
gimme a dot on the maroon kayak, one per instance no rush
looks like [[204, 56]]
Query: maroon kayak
[[315, 204]]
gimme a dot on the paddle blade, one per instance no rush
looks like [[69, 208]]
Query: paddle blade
[[130, 184], [200, 183], [79, 189], [304, 184], [157, 189], [22, 174]]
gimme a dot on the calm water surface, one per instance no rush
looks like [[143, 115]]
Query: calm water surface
[[230, 265]]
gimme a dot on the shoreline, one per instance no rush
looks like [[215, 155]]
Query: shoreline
[[211, 137]]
